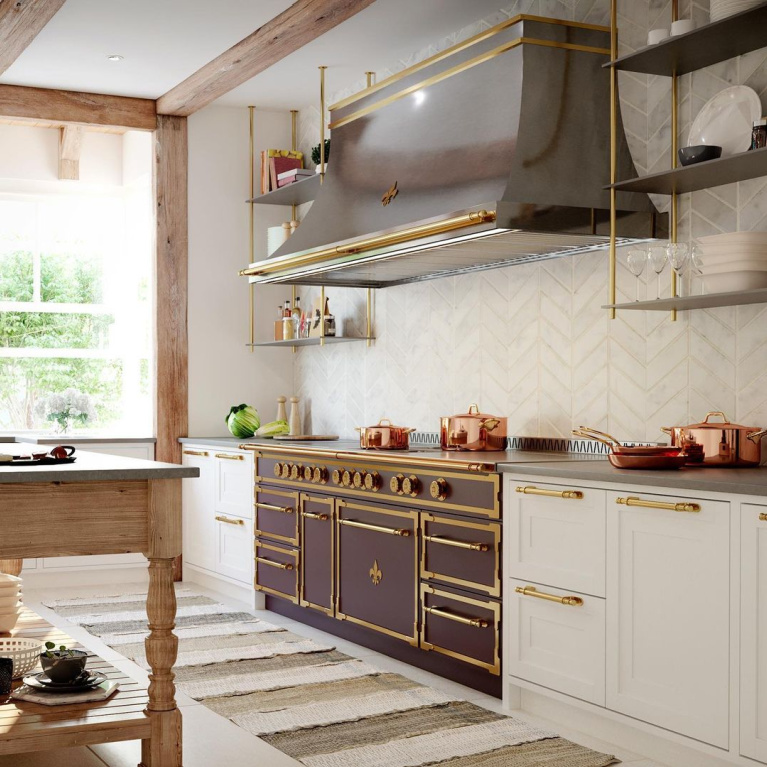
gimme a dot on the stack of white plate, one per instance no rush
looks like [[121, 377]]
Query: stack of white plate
[[10, 602], [735, 261], [720, 9]]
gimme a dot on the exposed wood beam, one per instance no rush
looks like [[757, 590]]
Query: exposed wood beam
[[304, 21], [75, 107], [20, 23], [70, 145]]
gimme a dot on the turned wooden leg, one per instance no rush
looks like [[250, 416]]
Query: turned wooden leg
[[11, 566]]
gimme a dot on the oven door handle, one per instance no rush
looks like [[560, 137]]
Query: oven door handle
[[403, 532], [272, 507], [470, 545], [272, 563], [477, 623]]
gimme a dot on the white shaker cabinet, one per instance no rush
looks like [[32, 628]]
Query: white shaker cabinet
[[197, 517]]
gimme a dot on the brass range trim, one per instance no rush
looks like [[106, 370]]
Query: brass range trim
[[258, 544], [302, 600], [468, 43], [293, 495]]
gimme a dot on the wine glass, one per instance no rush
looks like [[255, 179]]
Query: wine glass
[[677, 256], [658, 257], [636, 260], [696, 268]]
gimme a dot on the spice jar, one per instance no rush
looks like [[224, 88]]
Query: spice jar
[[759, 134]]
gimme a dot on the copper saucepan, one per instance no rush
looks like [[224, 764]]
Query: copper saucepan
[[473, 431], [384, 436]]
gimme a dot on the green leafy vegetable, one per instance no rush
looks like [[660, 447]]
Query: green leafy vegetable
[[273, 429], [243, 421]]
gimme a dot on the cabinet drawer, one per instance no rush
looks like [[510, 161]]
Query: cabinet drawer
[[234, 537], [462, 627], [276, 515], [560, 645], [276, 570], [556, 535], [233, 483], [317, 552], [461, 553]]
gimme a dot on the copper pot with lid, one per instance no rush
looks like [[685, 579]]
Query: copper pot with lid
[[384, 436], [718, 443], [473, 431]]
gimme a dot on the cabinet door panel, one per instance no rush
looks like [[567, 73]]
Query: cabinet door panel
[[317, 550], [198, 525], [233, 484], [234, 548]]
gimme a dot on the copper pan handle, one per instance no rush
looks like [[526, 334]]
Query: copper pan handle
[[755, 436], [384, 422], [716, 412], [473, 408], [408, 430], [359, 428], [668, 430], [586, 435], [599, 433]]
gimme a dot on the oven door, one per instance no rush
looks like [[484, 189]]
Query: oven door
[[317, 576]]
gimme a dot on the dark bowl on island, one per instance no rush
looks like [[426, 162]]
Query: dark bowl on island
[[689, 155]]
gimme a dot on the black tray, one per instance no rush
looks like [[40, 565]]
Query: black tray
[[47, 461]]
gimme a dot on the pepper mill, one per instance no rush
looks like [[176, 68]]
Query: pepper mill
[[281, 414], [295, 420]]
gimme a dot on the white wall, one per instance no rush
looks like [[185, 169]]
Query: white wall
[[222, 371]]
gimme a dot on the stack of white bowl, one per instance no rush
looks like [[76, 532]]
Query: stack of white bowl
[[10, 602], [720, 9], [734, 261]]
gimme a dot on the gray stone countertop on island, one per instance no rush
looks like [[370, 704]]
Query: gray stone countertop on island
[[89, 467]]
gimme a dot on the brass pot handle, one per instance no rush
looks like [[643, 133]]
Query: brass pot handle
[[402, 532], [668, 430], [716, 412], [477, 623], [532, 490], [531, 591], [473, 408], [756, 436], [384, 422], [470, 546], [272, 507], [634, 501], [272, 563]]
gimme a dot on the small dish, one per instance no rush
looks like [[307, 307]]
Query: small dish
[[729, 282], [690, 155], [94, 679]]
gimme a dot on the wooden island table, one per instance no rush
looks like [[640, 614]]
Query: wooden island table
[[100, 505]]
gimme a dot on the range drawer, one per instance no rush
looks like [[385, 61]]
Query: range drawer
[[461, 553], [461, 627], [317, 571], [276, 515], [276, 570], [556, 639]]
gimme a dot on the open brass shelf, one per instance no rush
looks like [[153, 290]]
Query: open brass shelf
[[296, 193], [686, 303], [296, 342]]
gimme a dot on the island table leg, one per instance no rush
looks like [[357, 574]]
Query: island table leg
[[11, 566]]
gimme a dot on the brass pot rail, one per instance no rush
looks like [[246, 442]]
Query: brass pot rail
[[457, 544], [230, 457], [532, 490], [531, 591], [401, 531], [230, 521], [272, 563], [203, 453], [272, 507], [636, 501], [763, 517], [314, 515], [477, 623]]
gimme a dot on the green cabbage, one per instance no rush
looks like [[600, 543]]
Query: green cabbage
[[273, 429], [243, 421]]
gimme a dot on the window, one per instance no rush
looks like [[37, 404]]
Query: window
[[76, 307]]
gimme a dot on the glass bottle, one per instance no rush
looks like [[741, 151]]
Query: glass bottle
[[296, 314]]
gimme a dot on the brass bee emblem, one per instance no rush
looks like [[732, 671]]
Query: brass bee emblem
[[375, 573], [390, 194]]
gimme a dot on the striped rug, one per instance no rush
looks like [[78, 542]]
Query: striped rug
[[318, 705]]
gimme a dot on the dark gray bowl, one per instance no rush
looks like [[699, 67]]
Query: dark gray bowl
[[689, 155], [64, 667]]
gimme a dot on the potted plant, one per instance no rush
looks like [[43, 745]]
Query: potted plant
[[65, 409], [62, 666], [316, 155]]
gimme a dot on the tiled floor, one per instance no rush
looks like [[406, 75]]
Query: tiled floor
[[211, 740]]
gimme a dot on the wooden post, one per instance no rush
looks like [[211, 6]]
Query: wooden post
[[11, 566], [163, 749]]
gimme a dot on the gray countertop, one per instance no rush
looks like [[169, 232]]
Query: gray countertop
[[66, 439], [89, 467]]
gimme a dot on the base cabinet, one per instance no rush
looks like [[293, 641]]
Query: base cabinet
[[197, 517], [234, 547]]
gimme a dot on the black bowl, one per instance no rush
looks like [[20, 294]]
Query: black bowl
[[689, 155]]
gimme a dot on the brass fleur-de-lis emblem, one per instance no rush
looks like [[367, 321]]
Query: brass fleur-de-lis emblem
[[390, 194], [375, 573]]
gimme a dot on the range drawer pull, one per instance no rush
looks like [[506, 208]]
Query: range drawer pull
[[203, 453], [314, 515], [272, 563], [763, 517], [401, 531], [636, 501], [230, 521], [272, 507], [230, 457], [531, 591], [457, 544], [532, 490], [477, 623]]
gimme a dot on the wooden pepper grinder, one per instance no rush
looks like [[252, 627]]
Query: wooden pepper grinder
[[295, 421], [281, 414]]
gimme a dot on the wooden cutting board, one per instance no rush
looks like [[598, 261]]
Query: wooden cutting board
[[307, 437]]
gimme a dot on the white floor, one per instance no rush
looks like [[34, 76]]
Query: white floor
[[211, 740]]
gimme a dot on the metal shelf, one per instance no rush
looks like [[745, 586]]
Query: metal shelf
[[738, 298], [295, 342], [721, 40], [296, 193], [702, 175]]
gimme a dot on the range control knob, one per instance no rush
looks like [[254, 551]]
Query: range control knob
[[320, 475], [395, 484], [296, 471], [372, 481], [308, 473], [346, 478], [438, 489], [337, 476], [277, 469], [358, 479], [286, 470], [411, 485]]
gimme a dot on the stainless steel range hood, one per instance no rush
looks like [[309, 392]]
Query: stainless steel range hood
[[491, 153]]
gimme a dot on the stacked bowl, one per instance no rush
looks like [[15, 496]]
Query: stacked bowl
[[10, 602], [734, 261]]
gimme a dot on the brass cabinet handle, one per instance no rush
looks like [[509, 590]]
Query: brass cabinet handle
[[457, 544], [314, 515], [763, 517], [230, 457], [532, 490], [531, 591], [203, 453], [272, 507], [477, 623], [230, 521], [635, 501], [272, 563], [401, 531]]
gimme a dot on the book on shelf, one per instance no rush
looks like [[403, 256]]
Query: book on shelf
[[294, 174], [276, 161]]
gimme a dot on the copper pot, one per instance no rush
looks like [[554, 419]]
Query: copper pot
[[384, 436], [473, 431], [718, 443]]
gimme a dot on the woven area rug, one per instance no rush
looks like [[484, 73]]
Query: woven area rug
[[318, 705]]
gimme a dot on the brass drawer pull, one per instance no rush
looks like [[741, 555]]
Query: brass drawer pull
[[763, 517], [203, 453], [272, 563], [531, 591], [634, 501], [477, 623], [230, 457], [314, 515], [457, 544], [403, 532], [230, 521], [272, 507], [532, 490]]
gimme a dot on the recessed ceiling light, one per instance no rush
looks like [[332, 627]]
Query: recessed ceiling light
[[115, 57]]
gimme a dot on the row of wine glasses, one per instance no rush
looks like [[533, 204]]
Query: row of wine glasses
[[677, 254]]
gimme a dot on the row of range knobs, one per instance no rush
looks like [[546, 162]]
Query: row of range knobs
[[315, 474]]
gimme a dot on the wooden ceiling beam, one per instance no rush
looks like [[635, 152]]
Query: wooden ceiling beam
[[298, 25], [70, 146], [20, 23]]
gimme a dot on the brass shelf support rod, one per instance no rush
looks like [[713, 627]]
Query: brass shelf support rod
[[674, 140], [252, 285], [613, 153]]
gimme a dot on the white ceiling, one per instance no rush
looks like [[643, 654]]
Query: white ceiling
[[164, 41]]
